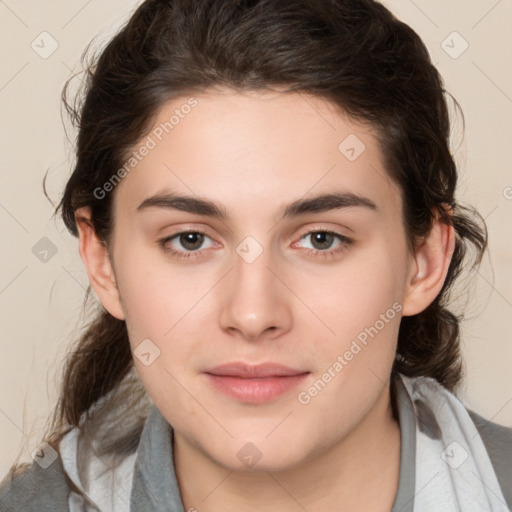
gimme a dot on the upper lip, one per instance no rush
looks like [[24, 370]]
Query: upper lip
[[243, 370]]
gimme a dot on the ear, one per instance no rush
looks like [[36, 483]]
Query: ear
[[429, 268], [95, 256]]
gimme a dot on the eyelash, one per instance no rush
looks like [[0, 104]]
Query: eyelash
[[345, 241]]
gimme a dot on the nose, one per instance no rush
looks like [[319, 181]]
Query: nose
[[255, 302]]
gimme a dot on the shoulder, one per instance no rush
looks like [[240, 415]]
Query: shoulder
[[498, 442], [32, 488]]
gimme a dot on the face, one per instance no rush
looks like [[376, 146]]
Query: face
[[264, 272]]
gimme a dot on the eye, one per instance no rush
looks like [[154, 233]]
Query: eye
[[322, 242], [190, 241]]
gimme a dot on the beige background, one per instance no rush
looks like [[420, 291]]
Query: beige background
[[41, 302]]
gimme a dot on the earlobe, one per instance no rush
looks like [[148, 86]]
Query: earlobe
[[94, 254], [430, 267]]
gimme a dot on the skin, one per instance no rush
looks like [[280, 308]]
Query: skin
[[253, 153]]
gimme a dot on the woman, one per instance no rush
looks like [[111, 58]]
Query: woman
[[264, 201]]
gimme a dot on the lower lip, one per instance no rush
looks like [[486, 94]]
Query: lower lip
[[257, 390]]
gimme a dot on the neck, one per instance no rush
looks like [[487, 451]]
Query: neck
[[359, 473]]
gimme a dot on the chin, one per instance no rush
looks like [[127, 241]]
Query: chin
[[258, 456]]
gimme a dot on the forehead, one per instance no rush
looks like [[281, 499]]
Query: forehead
[[255, 149]]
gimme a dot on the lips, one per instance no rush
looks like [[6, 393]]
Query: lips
[[255, 384]]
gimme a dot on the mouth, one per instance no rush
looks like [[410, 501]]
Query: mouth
[[254, 384]]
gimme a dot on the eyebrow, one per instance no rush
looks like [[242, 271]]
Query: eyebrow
[[317, 204]]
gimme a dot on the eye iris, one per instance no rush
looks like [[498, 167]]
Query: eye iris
[[321, 237], [191, 241]]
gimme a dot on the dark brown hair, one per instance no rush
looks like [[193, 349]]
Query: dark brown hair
[[354, 53]]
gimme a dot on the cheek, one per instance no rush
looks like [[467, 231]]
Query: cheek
[[351, 296], [361, 305], [156, 292], [164, 312]]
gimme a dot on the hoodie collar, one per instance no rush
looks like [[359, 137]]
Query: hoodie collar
[[155, 485]]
